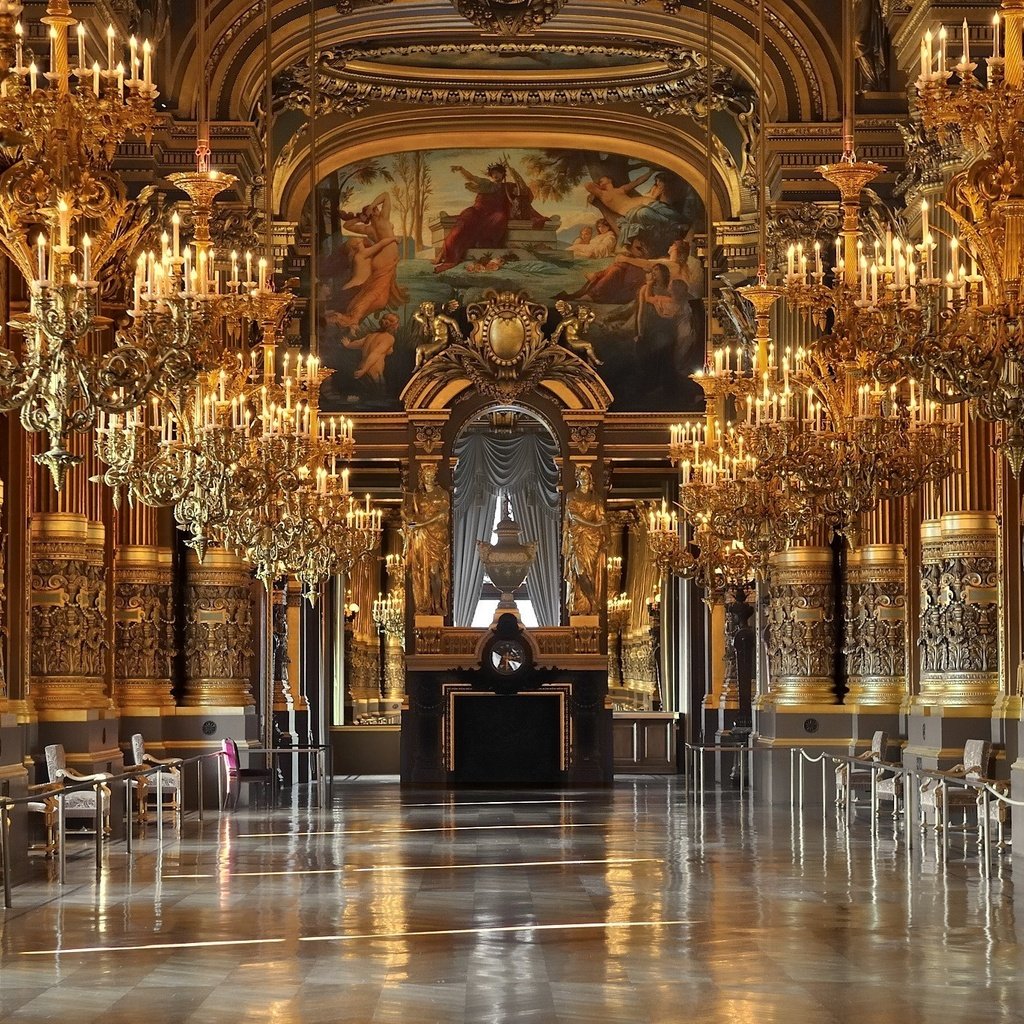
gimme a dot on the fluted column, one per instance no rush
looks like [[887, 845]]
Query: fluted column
[[876, 612], [218, 631], [143, 613], [801, 640]]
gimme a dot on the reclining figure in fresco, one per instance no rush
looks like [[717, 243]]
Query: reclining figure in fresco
[[441, 329], [571, 329]]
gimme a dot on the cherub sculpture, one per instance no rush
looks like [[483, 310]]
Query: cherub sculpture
[[440, 328], [572, 328]]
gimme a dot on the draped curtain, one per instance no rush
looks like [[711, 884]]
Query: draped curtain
[[523, 466]]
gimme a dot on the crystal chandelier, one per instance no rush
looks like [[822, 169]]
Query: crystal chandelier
[[66, 223], [970, 334]]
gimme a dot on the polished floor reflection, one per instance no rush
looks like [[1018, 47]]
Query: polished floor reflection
[[627, 906]]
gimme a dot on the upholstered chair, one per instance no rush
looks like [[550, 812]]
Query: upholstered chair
[[850, 778], [145, 785], [238, 776], [80, 805], [977, 764], [44, 803]]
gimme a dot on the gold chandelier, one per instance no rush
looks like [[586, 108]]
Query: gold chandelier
[[696, 552], [969, 336], [389, 609], [67, 224], [866, 441]]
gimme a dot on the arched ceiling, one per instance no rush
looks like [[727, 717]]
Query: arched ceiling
[[802, 57]]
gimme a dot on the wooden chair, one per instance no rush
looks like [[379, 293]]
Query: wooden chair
[[145, 785], [82, 804], [937, 799], [851, 778]]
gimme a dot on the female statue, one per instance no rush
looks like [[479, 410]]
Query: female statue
[[584, 542], [426, 514]]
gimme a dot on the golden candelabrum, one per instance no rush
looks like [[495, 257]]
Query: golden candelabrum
[[700, 554], [971, 339], [871, 432], [741, 479], [67, 224]]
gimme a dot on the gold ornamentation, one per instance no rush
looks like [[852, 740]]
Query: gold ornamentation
[[426, 525], [584, 545]]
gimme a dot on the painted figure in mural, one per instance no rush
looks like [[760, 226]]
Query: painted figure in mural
[[484, 225], [645, 219], [372, 262], [571, 329], [426, 514], [584, 544], [440, 329], [376, 346]]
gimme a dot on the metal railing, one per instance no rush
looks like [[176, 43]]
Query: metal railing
[[101, 787]]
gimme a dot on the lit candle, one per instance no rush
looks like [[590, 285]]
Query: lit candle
[[53, 49], [967, 44], [86, 258], [82, 56], [942, 51], [133, 45], [120, 80], [147, 63], [817, 261], [924, 60], [33, 72], [19, 34], [995, 36], [928, 49], [96, 77], [176, 234], [263, 274], [64, 216], [248, 268], [110, 47], [41, 251]]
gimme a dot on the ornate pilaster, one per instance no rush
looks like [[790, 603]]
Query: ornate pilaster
[[801, 641], [218, 632], [874, 643], [959, 636], [68, 614], [143, 628]]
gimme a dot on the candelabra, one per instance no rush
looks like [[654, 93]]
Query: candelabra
[[865, 442], [971, 337], [713, 563], [65, 124]]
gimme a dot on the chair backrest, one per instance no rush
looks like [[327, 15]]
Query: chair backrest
[[880, 744], [138, 748], [978, 758], [55, 760], [231, 758]]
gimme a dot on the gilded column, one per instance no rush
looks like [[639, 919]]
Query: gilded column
[[143, 614], [874, 642], [801, 640], [218, 631]]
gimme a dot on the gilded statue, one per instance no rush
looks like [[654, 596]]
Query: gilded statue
[[571, 330], [440, 329], [584, 544], [426, 514]]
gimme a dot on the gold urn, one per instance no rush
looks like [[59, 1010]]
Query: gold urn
[[508, 561]]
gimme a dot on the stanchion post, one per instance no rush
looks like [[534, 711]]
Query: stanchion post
[[97, 789], [199, 786], [61, 865], [128, 830], [159, 809], [792, 779], [5, 851]]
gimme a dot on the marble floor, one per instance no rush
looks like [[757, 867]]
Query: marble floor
[[414, 907]]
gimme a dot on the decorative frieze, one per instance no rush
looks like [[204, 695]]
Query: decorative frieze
[[874, 642], [801, 632], [959, 626], [68, 614], [218, 632], [143, 627]]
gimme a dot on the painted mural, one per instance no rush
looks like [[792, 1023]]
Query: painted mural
[[443, 226]]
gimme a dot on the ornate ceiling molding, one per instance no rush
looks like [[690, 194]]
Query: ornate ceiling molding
[[661, 80]]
